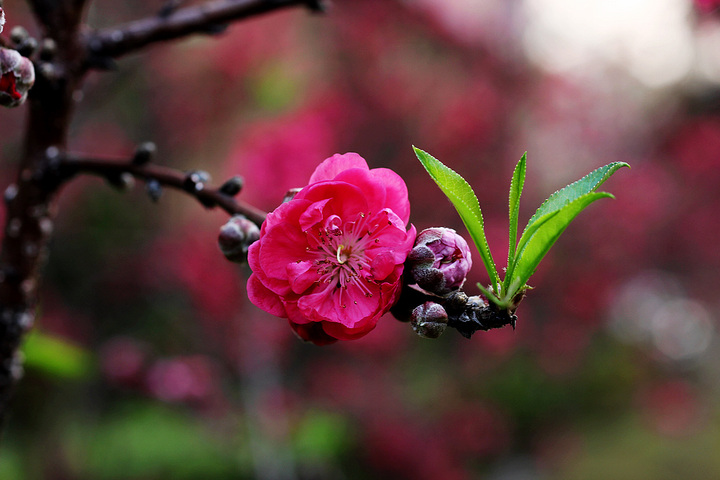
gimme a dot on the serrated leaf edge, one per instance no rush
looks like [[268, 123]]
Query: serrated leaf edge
[[516, 187], [611, 169], [514, 285]]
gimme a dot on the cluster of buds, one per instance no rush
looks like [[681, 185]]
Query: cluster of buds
[[440, 261], [436, 269], [17, 75]]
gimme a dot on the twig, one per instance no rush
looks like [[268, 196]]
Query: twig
[[208, 196], [206, 18]]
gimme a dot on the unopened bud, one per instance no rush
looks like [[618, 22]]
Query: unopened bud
[[123, 182], [195, 180], [2, 19], [19, 34], [28, 47], [235, 238], [440, 260], [48, 49], [429, 320], [233, 186], [144, 153], [154, 190], [17, 75]]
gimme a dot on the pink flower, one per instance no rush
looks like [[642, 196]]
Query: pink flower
[[331, 259]]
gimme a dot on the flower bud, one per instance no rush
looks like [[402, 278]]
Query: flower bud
[[17, 75], [440, 260], [144, 153], [233, 186], [2, 19], [19, 34], [236, 236], [429, 320]]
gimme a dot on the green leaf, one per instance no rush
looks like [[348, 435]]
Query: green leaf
[[466, 203], [589, 183], [542, 235], [492, 297], [554, 204], [516, 187], [56, 357]]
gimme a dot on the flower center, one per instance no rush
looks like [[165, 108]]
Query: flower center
[[341, 253]]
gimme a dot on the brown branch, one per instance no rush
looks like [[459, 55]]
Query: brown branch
[[208, 196], [209, 17], [30, 203]]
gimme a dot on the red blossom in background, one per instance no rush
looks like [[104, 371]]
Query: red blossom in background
[[331, 259]]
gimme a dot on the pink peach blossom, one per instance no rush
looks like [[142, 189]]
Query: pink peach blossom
[[331, 259]]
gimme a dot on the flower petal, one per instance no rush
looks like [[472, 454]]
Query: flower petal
[[373, 191], [383, 265], [396, 196], [262, 297], [283, 244], [330, 167], [301, 275], [345, 200], [347, 306], [313, 332], [312, 215], [344, 333]]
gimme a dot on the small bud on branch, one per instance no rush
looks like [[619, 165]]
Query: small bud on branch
[[194, 182], [235, 238]]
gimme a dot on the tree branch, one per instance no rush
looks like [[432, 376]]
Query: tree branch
[[188, 182], [209, 17], [30, 203]]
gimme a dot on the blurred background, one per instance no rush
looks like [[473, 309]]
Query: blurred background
[[148, 362]]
